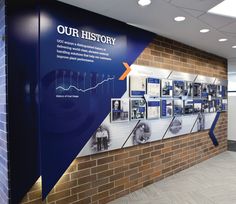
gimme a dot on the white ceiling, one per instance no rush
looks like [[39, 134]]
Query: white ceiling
[[158, 18]]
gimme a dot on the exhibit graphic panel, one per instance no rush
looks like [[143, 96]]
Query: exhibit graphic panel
[[81, 60]]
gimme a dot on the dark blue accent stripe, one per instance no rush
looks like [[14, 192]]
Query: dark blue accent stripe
[[211, 132]]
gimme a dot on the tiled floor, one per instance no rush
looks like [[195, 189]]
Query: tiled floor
[[210, 182]]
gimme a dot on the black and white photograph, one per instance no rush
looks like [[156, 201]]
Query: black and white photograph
[[153, 109], [137, 84], [205, 91], [205, 106], [212, 90], [101, 140], [224, 105], [153, 87], [179, 87], [219, 91], [119, 110], [200, 122], [212, 106], [141, 134], [197, 89], [166, 108], [138, 109], [166, 88], [188, 90], [197, 106], [176, 126], [188, 107], [178, 107]]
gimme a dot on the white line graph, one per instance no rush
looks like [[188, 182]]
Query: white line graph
[[84, 90]]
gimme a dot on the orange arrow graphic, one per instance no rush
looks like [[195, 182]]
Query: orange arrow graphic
[[128, 69]]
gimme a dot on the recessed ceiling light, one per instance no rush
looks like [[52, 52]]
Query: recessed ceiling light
[[179, 18], [205, 30], [234, 46], [144, 2], [225, 8], [222, 40]]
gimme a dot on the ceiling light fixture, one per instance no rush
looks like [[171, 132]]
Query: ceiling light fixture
[[234, 46], [204, 30], [225, 8], [222, 40], [144, 2], [179, 18]]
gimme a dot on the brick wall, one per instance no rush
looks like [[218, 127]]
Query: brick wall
[[3, 115], [106, 176]]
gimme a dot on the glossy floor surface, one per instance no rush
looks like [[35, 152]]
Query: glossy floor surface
[[210, 182]]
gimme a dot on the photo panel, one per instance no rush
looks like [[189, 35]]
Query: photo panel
[[166, 88], [178, 89], [212, 91], [138, 109], [153, 109], [178, 107], [153, 87], [119, 110], [224, 104], [219, 90], [166, 108], [188, 107], [212, 106], [218, 104], [197, 90], [205, 91], [141, 134], [188, 90], [205, 106], [224, 91], [197, 106], [137, 84]]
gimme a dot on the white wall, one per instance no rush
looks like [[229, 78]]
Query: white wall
[[232, 100]]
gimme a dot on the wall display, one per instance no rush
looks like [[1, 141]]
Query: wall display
[[138, 109], [141, 134], [119, 110], [101, 139], [188, 91], [197, 106], [178, 107], [197, 89], [137, 85], [166, 88], [212, 90], [212, 106], [219, 90], [153, 87], [166, 108], [218, 104], [224, 91], [205, 91], [179, 88], [176, 126], [188, 107], [200, 122], [153, 109]]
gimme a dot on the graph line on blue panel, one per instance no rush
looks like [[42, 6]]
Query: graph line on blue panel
[[84, 90]]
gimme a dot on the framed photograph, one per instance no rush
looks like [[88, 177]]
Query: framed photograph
[[153, 109], [212, 106], [200, 122], [119, 110], [178, 107], [137, 85], [197, 106], [212, 90], [205, 91], [166, 108], [179, 87], [218, 104], [224, 104], [224, 92], [138, 109], [188, 90], [188, 107], [153, 87], [166, 88], [197, 89], [205, 106], [219, 91]]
